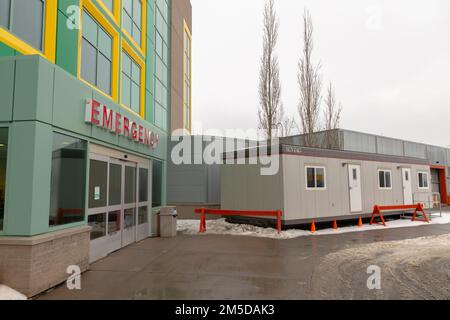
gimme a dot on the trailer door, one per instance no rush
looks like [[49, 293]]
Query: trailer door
[[407, 186], [354, 178]]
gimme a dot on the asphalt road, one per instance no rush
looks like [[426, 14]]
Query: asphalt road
[[233, 267]]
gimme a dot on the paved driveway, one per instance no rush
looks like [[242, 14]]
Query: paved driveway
[[226, 267]]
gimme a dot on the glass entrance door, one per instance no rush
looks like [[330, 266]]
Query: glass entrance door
[[98, 206], [129, 204], [119, 199], [115, 200], [143, 203]]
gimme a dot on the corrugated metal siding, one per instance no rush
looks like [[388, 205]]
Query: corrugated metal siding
[[389, 146], [437, 156], [415, 150], [359, 142], [244, 188], [335, 201], [198, 183]]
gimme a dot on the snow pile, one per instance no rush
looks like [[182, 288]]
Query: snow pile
[[6, 293], [413, 269], [221, 227]]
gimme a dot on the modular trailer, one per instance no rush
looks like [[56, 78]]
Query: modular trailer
[[323, 184]]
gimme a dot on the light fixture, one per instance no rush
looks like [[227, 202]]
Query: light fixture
[[2, 145]]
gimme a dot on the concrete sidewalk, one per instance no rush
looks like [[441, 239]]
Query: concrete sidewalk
[[223, 267]]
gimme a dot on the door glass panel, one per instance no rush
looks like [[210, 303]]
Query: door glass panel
[[143, 185], [130, 218], [157, 172], [115, 184], [97, 183], [355, 174], [143, 215], [130, 184], [114, 222], [98, 224]]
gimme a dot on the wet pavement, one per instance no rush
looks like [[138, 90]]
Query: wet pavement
[[230, 267]]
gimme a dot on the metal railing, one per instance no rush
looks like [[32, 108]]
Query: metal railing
[[430, 201]]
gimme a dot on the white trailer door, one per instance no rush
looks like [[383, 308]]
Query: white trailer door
[[354, 178], [407, 186]]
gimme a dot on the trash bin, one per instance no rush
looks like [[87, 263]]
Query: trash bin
[[168, 222]]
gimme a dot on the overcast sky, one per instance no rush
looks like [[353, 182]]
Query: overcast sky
[[388, 60]]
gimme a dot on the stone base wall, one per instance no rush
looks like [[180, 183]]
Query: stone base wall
[[35, 264]]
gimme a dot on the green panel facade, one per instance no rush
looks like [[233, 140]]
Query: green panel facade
[[47, 99], [6, 89], [66, 45], [40, 98]]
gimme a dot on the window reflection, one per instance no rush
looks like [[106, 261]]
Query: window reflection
[[98, 224], [130, 218], [113, 222], [67, 180], [143, 215]]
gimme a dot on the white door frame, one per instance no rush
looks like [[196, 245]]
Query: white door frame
[[144, 230], [355, 188], [115, 237], [129, 234], [113, 241]]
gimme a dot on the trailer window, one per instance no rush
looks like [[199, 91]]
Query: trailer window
[[385, 181], [315, 178], [423, 180]]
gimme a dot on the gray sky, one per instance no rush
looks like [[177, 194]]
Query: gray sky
[[388, 60]]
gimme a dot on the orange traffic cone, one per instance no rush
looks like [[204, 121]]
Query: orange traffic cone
[[335, 226], [360, 222], [313, 227]]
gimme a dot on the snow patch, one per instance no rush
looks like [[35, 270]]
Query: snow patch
[[6, 293], [221, 227]]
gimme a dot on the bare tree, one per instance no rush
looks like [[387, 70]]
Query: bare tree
[[332, 117], [310, 83], [270, 104], [287, 125]]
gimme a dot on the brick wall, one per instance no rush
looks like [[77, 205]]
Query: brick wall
[[33, 265]]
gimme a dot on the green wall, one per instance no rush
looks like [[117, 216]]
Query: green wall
[[40, 98], [157, 89]]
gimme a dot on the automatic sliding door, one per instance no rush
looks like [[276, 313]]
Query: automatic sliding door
[[129, 204], [143, 223], [115, 205], [97, 207]]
